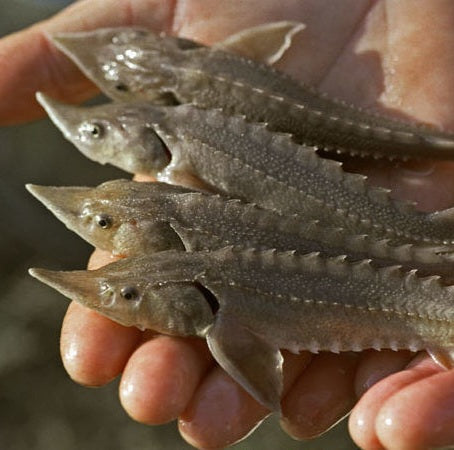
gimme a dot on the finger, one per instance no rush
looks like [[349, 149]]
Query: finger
[[143, 178], [387, 73], [161, 376], [31, 63], [363, 418], [387, 76], [419, 416], [315, 46], [374, 366], [323, 395], [221, 412], [94, 349], [100, 258]]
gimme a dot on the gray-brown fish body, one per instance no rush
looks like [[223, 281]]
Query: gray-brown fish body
[[131, 64], [239, 299], [128, 218], [211, 150]]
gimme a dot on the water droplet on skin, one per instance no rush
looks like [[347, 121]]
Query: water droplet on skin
[[72, 352], [110, 71], [360, 422], [389, 422], [127, 389], [132, 53]]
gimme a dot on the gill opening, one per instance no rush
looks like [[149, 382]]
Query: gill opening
[[209, 296]]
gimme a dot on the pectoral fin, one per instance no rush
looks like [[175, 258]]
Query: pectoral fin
[[194, 240], [248, 359], [265, 43], [181, 175]]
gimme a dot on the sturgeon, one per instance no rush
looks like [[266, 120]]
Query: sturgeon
[[134, 64], [128, 218], [238, 300], [210, 150]]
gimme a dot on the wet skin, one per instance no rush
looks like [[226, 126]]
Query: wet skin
[[164, 377]]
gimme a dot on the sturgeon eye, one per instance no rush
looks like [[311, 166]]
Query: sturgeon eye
[[104, 221], [96, 130], [121, 87], [129, 293], [92, 130]]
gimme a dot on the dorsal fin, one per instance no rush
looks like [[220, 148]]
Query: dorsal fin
[[266, 43]]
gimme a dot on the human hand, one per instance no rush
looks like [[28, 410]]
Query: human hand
[[349, 52]]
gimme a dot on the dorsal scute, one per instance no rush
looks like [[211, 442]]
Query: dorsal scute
[[406, 206], [392, 274], [332, 170], [406, 137], [382, 132], [379, 194], [334, 236], [282, 139], [234, 202], [402, 252], [431, 283], [253, 214], [292, 224], [362, 269], [338, 267], [354, 182], [425, 254], [215, 118], [312, 262], [307, 156], [378, 248], [412, 282]]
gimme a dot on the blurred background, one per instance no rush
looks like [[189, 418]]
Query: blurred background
[[40, 407]]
